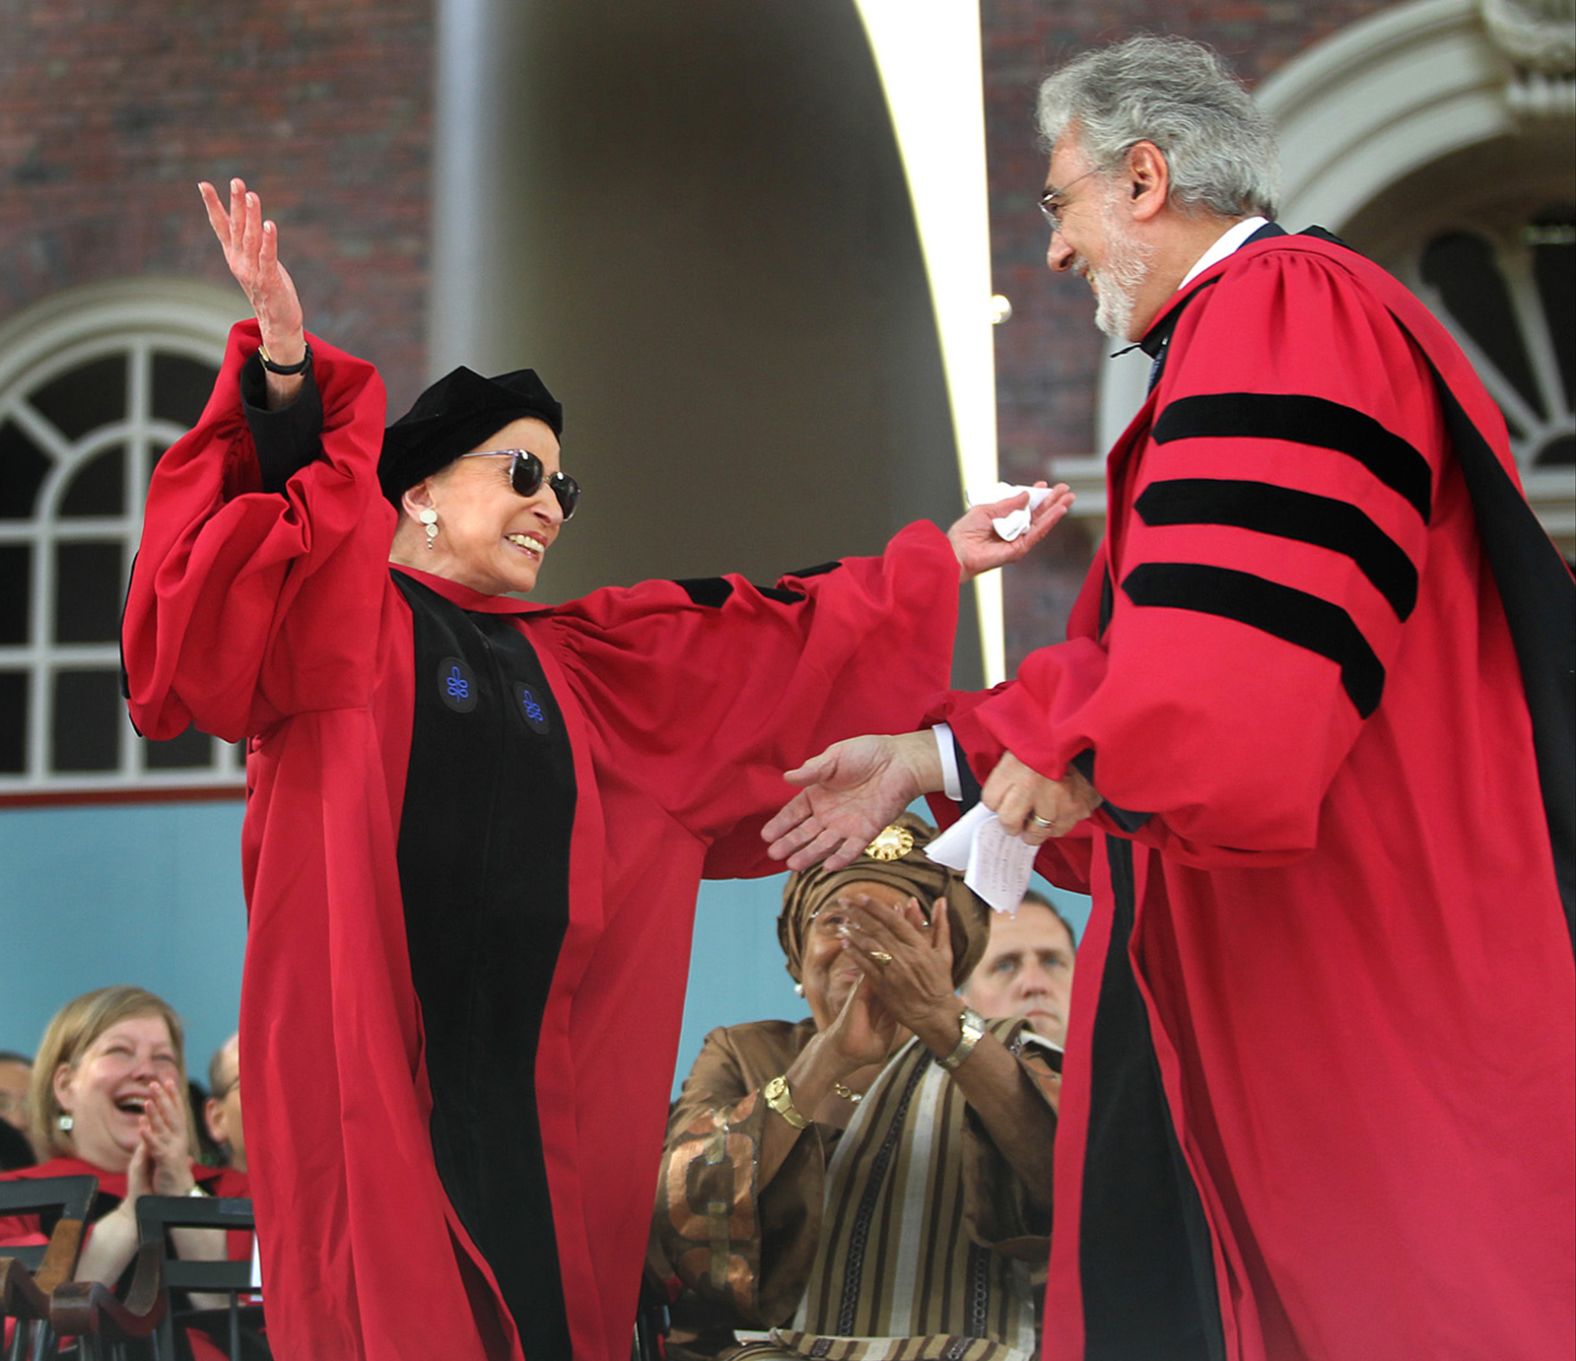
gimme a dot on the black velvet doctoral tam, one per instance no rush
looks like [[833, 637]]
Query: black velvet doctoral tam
[[453, 416]]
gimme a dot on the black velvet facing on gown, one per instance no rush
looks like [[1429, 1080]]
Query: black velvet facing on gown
[[484, 871], [1145, 1257], [1539, 597], [288, 439]]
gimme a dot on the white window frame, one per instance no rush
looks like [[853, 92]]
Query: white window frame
[[134, 318]]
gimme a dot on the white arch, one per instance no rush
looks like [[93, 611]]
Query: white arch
[[181, 313], [135, 318]]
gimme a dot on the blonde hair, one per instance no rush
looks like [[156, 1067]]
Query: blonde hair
[[74, 1028]]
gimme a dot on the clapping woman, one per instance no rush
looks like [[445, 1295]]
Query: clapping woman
[[109, 1101], [874, 1180]]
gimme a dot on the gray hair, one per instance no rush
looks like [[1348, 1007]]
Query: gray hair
[[1180, 95]]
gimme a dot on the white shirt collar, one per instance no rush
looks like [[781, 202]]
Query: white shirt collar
[[1225, 243]]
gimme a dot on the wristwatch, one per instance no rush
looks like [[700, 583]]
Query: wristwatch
[[780, 1099], [971, 1026]]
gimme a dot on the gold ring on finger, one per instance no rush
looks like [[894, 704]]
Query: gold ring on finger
[[881, 957], [1044, 823]]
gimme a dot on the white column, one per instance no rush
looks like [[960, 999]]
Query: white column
[[479, 175]]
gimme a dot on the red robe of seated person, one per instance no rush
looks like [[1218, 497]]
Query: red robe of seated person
[[1319, 1088], [24, 1230], [474, 836]]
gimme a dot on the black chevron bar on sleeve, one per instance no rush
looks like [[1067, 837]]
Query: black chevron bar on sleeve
[[1314, 421], [1283, 612], [1288, 514]]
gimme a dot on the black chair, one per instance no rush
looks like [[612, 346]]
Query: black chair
[[94, 1313], [29, 1275], [652, 1320], [236, 1327]]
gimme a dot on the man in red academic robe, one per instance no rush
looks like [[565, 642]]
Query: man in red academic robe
[[1308, 746]]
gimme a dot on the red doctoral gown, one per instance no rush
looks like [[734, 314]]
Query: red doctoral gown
[[1318, 1093], [467, 953]]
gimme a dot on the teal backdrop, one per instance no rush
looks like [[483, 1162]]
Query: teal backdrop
[[151, 894]]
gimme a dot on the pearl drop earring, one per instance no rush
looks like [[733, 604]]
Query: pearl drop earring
[[429, 519]]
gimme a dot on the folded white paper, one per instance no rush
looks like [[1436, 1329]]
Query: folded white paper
[[995, 864], [1012, 524]]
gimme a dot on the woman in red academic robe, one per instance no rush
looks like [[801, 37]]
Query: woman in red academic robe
[[475, 827]]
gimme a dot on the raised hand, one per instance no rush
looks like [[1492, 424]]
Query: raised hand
[[852, 790], [251, 250], [981, 549]]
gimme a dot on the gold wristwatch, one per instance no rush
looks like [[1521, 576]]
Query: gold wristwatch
[[780, 1099], [971, 1028]]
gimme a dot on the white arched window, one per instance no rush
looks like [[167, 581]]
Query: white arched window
[[94, 385]]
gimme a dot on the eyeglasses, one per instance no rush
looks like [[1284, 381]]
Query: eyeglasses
[[833, 919], [526, 475], [1050, 205], [830, 921]]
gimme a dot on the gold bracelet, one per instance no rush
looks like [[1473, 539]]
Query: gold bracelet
[[780, 1099], [284, 370], [971, 1029]]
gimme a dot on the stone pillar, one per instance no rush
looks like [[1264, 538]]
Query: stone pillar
[[479, 175]]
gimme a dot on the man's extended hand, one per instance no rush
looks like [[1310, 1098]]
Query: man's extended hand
[[981, 549], [1019, 795], [851, 791]]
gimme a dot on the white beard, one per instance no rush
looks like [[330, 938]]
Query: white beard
[[1124, 273]]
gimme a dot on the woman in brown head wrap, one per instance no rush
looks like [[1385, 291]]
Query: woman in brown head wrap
[[879, 1172]]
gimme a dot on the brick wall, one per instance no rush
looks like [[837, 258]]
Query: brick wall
[[112, 110], [1048, 356]]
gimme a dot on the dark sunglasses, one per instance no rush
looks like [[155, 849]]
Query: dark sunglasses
[[526, 475]]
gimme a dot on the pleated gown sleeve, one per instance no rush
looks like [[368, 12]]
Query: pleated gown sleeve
[[247, 606], [713, 688], [1264, 557]]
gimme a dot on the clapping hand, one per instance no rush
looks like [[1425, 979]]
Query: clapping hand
[[163, 1145], [906, 960], [863, 1031]]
